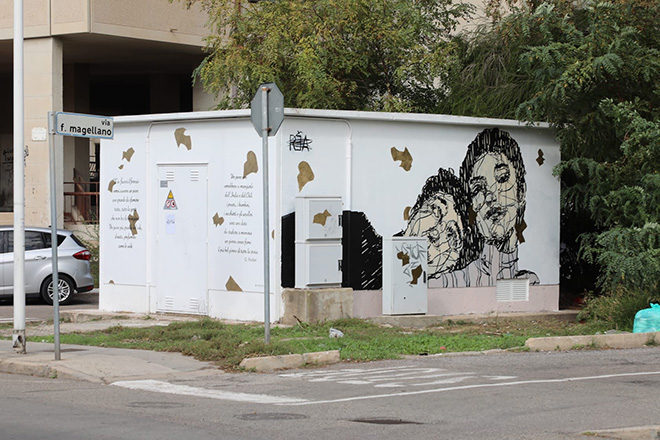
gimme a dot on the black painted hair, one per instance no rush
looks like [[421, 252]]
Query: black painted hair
[[447, 183]]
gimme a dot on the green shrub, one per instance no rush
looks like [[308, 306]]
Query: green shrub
[[617, 307]]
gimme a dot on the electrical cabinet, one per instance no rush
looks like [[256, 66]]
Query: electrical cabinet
[[318, 218], [405, 288], [318, 242]]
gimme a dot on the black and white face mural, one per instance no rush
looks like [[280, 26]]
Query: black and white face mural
[[493, 175], [440, 215], [474, 223]]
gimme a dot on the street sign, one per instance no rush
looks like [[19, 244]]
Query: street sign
[[275, 107], [267, 114], [80, 125]]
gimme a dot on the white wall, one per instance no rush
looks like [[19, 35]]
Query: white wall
[[349, 154]]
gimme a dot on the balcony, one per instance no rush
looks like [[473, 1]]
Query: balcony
[[81, 202]]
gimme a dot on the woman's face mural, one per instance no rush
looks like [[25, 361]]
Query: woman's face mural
[[493, 175], [494, 196], [438, 220]]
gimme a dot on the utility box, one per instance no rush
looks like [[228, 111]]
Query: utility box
[[318, 242], [318, 218], [405, 276], [181, 226]]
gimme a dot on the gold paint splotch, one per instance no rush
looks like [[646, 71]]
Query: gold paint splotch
[[217, 220], [232, 285], [472, 216], [321, 217], [121, 167], [132, 220], [405, 258], [404, 156], [272, 234], [305, 174], [111, 185], [128, 154], [520, 227], [111, 282], [540, 160], [406, 213], [250, 166], [416, 273], [182, 138]]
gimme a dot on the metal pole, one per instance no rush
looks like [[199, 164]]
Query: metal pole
[[18, 336], [53, 240], [264, 144]]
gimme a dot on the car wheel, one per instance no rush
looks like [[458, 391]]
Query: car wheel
[[66, 289]]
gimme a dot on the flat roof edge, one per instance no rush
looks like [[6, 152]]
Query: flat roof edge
[[332, 114]]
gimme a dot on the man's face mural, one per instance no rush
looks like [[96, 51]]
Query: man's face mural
[[438, 220]]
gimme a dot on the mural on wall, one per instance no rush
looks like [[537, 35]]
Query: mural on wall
[[441, 215], [475, 222]]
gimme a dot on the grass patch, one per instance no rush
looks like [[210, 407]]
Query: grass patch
[[227, 344]]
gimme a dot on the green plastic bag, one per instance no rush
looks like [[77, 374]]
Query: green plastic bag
[[647, 320]]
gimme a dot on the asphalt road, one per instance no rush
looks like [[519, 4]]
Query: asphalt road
[[554, 395], [37, 310]]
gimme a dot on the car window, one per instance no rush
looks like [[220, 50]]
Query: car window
[[60, 239], [77, 241], [3, 241], [33, 240]]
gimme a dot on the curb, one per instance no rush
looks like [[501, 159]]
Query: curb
[[287, 361], [45, 370], [12, 366], [635, 433], [616, 340]]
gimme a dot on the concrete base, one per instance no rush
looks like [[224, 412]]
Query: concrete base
[[615, 340], [424, 321], [287, 361], [314, 305]]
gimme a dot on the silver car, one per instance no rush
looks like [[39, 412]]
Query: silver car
[[72, 262]]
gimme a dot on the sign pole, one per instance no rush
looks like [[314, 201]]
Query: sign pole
[[67, 124], [53, 238], [267, 114], [264, 145]]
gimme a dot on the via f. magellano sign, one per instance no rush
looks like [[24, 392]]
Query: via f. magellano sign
[[80, 125]]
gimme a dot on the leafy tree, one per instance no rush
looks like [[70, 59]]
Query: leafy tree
[[337, 54], [591, 69]]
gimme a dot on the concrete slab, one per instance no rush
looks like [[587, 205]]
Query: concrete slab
[[615, 340], [423, 321], [289, 361], [315, 305]]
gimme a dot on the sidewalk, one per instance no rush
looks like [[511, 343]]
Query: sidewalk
[[99, 364]]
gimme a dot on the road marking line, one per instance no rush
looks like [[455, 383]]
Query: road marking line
[[157, 386], [344, 372], [467, 387]]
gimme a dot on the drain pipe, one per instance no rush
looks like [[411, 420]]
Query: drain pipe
[[147, 250], [348, 199], [348, 207]]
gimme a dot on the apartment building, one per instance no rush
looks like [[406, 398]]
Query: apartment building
[[104, 57]]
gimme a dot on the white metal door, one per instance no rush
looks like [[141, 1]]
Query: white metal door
[[181, 274]]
